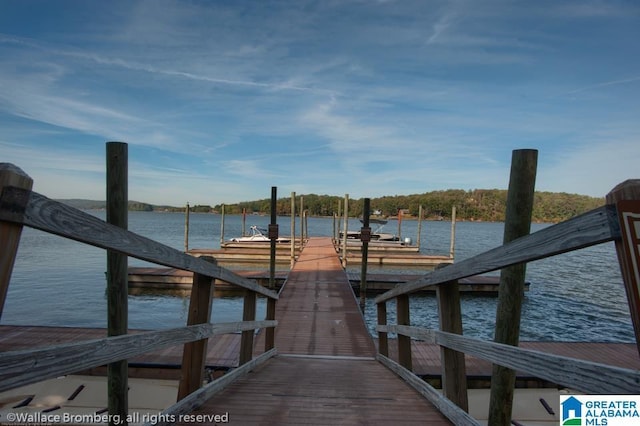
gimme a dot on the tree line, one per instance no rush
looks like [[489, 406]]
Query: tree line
[[473, 205]]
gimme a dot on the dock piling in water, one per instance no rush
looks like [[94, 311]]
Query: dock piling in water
[[117, 277], [511, 292], [186, 228], [365, 236]]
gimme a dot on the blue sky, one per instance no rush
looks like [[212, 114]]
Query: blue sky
[[221, 100]]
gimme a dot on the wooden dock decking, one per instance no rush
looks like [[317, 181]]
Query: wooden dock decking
[[325, 371]]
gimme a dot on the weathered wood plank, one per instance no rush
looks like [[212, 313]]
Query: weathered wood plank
[[584, 376], [454, 413], [37, 211], [303, 390], [18, 368], [200, 396], [594, 227], [580, 375]]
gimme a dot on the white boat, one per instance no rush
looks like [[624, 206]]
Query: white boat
[[258, 235], [376, 235]]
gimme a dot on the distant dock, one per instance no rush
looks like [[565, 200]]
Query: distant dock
[[170, 279]]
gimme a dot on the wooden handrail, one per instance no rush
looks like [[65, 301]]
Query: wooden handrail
[[581, 375], [19, 368], [19, 206], [202, 395], [591, 228], [457, 415], [37, 211]]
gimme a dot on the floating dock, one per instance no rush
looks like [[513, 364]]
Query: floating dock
[[170, 279]]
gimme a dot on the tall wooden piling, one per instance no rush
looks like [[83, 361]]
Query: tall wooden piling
[[117, 279], [301, 219], [511, 290], [365, 237], [337, 223], [293, 228], [222, 225], [186, 228], [273, 237], [10, 233], [244, 221], [452, 247], [418, 237], [626, 198], [345, 228]]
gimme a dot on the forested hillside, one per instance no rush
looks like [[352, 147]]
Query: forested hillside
[[478, 204]]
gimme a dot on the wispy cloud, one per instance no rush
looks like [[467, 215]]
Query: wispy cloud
[[411, 95], [604, 84]]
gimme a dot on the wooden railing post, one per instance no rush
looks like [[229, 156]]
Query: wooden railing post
[[383, 342], [194, 355], [511, 290], [117, 279], [270, 332], [626, 197], [10, 175], [404, 342], [454, 373], [248, 314]]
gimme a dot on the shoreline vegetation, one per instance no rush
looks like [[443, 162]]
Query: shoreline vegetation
[[486, 205]]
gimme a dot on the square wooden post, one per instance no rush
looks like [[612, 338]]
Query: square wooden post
[[383, 342], [195, 353], [404, 342], [454, 372], [249, 314], [270, 332]]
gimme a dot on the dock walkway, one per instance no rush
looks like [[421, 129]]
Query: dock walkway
[[325, 371]]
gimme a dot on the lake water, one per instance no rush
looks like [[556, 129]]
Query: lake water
[[577, 296]]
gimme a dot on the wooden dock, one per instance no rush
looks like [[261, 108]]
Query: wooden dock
[[142, 279], [325, 371], [313, 360]]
